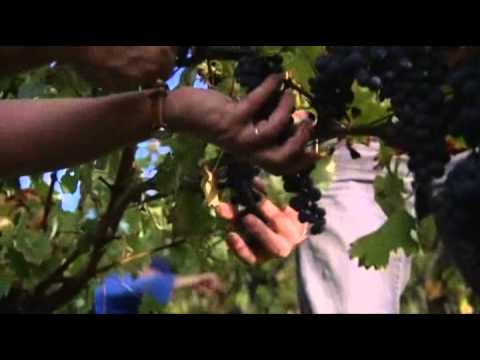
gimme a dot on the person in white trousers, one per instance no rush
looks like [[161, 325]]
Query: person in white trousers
[[329, 281]]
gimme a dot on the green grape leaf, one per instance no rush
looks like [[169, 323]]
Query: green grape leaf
[[187, 151], [69, 182], [229, 86], [188, 77], [374, 250], [32, 90], [68, 221], [68, 83], [212, 153], [190, 218], [385, 155], [34, 245], [275, 190], [388, 193], [40, 186], [300, 64], [86, 182], [6, 279], [169, 175], [4, 287], [427, 232], [371, 108], [4, 83], [324, 173], [273, 50], [18, 264], [101, 163]]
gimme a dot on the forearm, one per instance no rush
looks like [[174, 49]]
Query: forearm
[[19, 58], [187, 281], [50, 134]]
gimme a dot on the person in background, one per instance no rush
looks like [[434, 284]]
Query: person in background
[[329, 280], [123, 294]]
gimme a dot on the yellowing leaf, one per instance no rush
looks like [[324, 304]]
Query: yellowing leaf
[[209, 187], [465, 307], [6, 224], [433, 289]]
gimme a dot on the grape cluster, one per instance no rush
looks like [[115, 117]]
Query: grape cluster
[[250, 73], [306, 200], [413, 78], [239, 177], [457, 218], [464, 110]]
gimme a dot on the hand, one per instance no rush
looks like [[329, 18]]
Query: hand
[[208, 284], [277, 238], [121, 68], [232, 126]]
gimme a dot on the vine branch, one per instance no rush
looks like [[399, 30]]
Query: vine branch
[[138, 256], [122, 193], [49, 201]]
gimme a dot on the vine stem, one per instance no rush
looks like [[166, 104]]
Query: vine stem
[[139, 256], [290, 84], [49, 201], [122, 193]]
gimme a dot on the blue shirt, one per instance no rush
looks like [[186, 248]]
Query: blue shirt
[[123, 294]]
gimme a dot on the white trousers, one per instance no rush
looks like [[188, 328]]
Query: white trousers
[[329, 282]]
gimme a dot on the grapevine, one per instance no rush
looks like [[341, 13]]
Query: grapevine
[[430, 109], [250, 73]]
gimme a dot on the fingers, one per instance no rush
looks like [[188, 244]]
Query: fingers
[[290, 157], [226, 211], [239, 247], [211, 281], [292, 214], [279, 221], [269, 210], [269, 131], [272, 242], [259, 185], [255, 101], [301, 229], [304, 161]]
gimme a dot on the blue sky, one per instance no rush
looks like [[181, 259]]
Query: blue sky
[[70, 201]]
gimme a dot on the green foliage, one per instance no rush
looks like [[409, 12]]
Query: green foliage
[[70, 180], [176, 219], [371, 108], [374, 250], [389, 193]]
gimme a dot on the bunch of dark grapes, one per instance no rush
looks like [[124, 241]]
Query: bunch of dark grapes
[[306, 200], [250, 73], [236, 175], [239, 177], [413, 78], [464, 109], [457, 218]]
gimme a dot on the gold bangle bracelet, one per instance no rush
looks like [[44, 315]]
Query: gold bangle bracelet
[[157, 97]]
